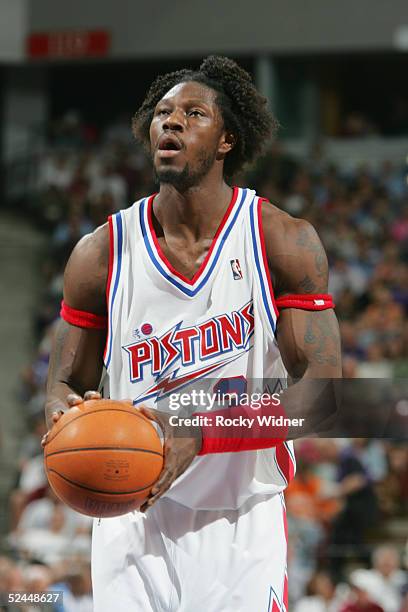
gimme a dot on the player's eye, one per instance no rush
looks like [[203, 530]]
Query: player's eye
[[196, 113], [163, 111]]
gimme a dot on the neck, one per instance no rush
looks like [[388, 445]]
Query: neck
[[196, 212]]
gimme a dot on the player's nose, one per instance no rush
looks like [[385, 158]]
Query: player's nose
[[175, 120]]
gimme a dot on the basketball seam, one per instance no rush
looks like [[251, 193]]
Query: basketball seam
[[81, 486], [103, 448], [79, 416]]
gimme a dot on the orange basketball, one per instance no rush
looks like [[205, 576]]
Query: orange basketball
[[103, 458]]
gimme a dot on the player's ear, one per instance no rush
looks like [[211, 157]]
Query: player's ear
[[227, 143]]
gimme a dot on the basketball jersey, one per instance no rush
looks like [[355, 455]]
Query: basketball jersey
[[168, 334]]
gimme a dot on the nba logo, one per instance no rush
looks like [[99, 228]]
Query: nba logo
[[236, 269]]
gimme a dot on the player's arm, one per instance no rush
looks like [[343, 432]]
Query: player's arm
[[309, 340], [76, 359]]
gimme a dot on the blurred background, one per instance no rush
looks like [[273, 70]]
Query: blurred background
[[335, 75]]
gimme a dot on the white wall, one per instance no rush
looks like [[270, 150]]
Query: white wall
[[148, 28], [25, 110], [13, 30]]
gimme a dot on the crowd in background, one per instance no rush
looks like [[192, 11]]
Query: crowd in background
[[343, 553]]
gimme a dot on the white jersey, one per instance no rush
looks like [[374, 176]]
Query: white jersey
[[166, 331]]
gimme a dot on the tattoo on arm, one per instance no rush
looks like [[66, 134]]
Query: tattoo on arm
[[306, 240], [55, 361], [306, 285], [322, 337]]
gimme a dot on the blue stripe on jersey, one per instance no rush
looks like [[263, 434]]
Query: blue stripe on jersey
[[282, 498], [119, 229], [270, 600], [159, 266], [259, 269], [291, 455], [276, 598]]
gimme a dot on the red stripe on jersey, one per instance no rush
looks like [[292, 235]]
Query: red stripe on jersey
[[263, 249], [111, 255], [110, 272], [286, 592], [285, 582], [307, 301], [236, 438], [285, 462], [275, 606], [81, 318]]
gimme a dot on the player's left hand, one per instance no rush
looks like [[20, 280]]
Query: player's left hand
[[179, 452], [73, 400]]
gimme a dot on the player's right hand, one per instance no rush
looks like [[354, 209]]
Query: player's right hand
[[179, 452], [73, 400]]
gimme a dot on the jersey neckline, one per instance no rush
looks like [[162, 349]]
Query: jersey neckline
[[189, 286]]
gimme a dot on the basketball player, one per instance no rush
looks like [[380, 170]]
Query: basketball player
[[200, 279]]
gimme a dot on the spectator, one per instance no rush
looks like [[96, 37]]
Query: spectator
[[375, 365], [111, 182], [392, 490], [364, 595], [399, 229], [388, 577], [49, 530], [77, 590], [57, 171], [11, 577], [32, 485], [359, 512], [321, 595]]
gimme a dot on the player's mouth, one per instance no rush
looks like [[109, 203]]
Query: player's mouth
[[169, 146]]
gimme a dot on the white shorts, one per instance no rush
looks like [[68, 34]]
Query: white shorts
[[180, 559]]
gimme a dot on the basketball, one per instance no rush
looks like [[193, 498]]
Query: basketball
[[103, 458]]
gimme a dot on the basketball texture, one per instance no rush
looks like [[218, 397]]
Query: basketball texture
[[103, 457]]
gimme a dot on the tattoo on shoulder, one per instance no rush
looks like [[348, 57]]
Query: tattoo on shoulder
[[308, 240], [322, 333]]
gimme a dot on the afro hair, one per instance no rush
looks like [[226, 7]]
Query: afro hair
[[244, 110]]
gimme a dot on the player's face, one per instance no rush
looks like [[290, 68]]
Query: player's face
[[186, 134]]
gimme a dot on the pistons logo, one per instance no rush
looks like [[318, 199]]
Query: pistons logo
[[184, 346]]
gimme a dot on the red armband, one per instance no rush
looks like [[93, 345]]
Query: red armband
[[307, 301], [81, 318], [242, 428]]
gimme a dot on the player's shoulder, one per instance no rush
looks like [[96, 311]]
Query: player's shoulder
[[86, 272], [94, 245], [295, 254], [280, 227]]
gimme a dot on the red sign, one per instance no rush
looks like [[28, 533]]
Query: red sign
[[69, 44]]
